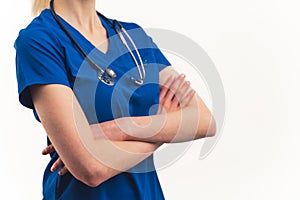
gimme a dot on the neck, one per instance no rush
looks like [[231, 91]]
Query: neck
[[80, 13]]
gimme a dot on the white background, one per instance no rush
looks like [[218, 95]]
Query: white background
[[255, 46]]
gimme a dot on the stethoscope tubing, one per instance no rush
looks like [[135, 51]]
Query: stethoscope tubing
[[93, 64], [107, 75]]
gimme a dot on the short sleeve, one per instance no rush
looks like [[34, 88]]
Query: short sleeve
[[39, 60], [159, 56], [161, 60]]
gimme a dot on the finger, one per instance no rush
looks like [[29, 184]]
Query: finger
[[174, 104], [165, 88], [183, 96], [163, 103], [174, 86], [49, 149], [183, 90], [56, 165], [187, 99], [63, 171], [170, 102]]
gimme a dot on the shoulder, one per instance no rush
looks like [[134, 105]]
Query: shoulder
[[133, 27], [38, 32], [137, 33], [130, 25]]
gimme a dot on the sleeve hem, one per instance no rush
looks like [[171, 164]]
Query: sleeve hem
[[24, 93]]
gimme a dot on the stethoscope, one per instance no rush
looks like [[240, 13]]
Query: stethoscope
[[107, 76]]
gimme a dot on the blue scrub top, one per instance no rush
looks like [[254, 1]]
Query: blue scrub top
[[45, 55]]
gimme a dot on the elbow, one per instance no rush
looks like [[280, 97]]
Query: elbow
[[93, 184], [92, 178], [207, 128], [92, 181]]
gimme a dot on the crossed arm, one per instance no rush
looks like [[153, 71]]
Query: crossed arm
[[192, 121], [64, 122]]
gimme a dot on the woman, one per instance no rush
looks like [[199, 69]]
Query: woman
[[77, 122]]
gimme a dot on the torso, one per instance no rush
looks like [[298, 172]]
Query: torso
[[101, 103]]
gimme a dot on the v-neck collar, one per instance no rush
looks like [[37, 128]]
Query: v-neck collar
[[83, 40]]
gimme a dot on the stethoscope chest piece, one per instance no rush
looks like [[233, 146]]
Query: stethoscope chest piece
[[110, 73], [107, 77]]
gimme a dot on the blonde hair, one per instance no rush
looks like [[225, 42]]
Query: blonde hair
[[39, 5]]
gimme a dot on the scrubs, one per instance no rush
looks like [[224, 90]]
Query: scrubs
[[45, 55]]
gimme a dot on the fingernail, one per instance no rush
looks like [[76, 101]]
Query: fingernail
[[52, 169], [182, 75]]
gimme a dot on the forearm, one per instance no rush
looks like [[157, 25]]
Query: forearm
[[119, 156], [113, 157], [189, 123]]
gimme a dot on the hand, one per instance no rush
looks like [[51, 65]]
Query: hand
[[58, 163], [175, 94]]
